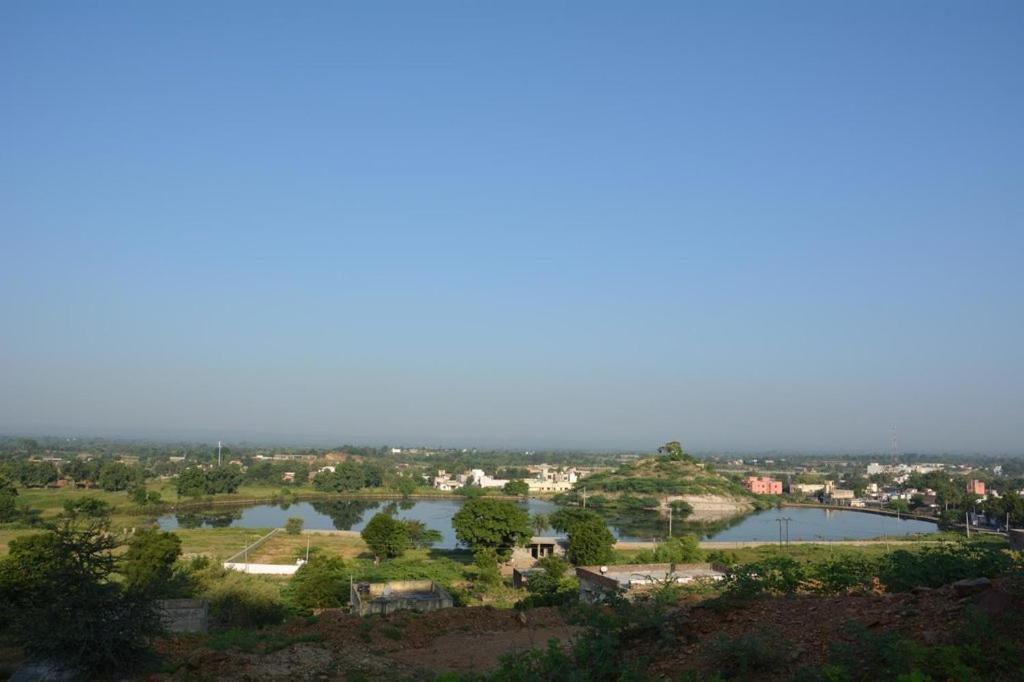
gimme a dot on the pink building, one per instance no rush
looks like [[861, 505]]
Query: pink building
[[762, 485], [976, 487]]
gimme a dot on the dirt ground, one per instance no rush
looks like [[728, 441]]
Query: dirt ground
[[402, 645], [410, 645]]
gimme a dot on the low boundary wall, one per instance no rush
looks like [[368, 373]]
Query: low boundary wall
[[262, 569]]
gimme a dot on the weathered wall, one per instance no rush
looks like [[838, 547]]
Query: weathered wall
[[366, 603], [184, 615]]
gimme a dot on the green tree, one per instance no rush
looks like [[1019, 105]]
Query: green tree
[[385, 536], [138, 494], [551, 586], [406, 486], [320, 583], [191, 482], [293, 526], [89, 507], [419, 535], [8, 500], [540, 523], [486, 561], [116, 476], [674, 452], [898, 505], [517, 487], [590, 542], [148, 565], [225, 479], [494, 524], [684, 549], [564, 519], [61, 604]]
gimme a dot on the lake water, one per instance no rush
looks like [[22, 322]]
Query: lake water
[[819, 524], [805, 523]]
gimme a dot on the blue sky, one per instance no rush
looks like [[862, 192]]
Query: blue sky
[[746, 226]]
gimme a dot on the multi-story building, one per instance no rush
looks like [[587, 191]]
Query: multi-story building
[[548, 480], [976, 487], [762, 485]]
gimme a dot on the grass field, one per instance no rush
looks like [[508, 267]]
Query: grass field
[[284, 548]]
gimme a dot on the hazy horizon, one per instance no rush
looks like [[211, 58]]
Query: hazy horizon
[[579, 226]]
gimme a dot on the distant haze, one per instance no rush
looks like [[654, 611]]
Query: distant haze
[[571, 225]]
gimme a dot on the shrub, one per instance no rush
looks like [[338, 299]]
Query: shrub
[[243, 600], [319, 583], [293, 526], [486, 561], [747, 655], [936, 566], [679, 550], [843, 574], [776, 575], [551, 586]]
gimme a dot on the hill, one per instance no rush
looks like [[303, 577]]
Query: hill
[[674, 480]]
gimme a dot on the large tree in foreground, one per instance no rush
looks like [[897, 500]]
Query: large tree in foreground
[[497, 525], [61, 604]]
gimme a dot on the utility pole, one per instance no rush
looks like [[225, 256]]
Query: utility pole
[[780, 531], [787, 520], [967, 524], [218, 453]]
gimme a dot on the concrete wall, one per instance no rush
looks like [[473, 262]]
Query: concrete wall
[[184, 615], [263, 569], [405, 595]]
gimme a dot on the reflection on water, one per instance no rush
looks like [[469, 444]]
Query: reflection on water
[[343, 513], [220, 518], [350, 514]]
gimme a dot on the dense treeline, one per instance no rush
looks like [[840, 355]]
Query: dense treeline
[[349, 477]]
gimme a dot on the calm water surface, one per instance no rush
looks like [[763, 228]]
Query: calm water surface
[[805, 524]]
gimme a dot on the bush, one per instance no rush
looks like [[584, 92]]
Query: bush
[[293, 526], [551, 586], [774, 575], [319, 583], [843, 574], [941, 565], [486, 561], [680, 550], [243, 600], [748, 655]]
